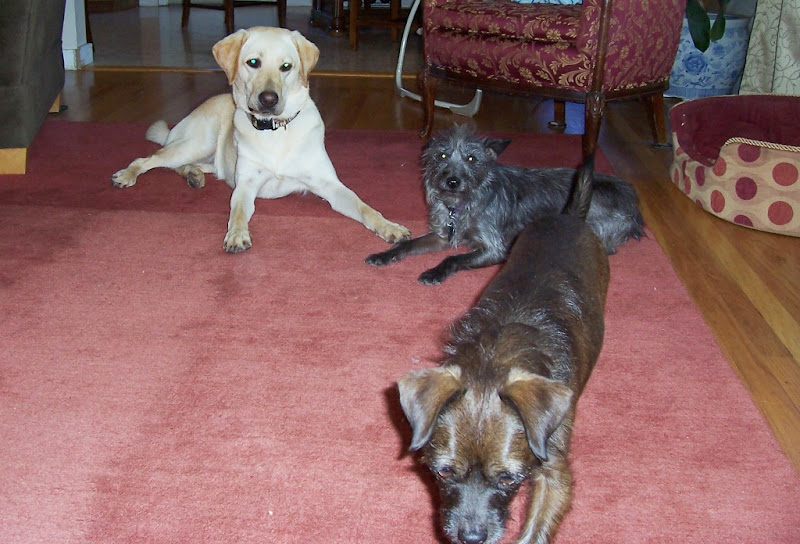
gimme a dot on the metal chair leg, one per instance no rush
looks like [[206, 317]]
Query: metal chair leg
[[468, 110]]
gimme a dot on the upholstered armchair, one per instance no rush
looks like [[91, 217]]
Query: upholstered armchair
[[594, 52]]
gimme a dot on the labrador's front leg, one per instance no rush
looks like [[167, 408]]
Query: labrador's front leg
[[243, 204], [326, 184]]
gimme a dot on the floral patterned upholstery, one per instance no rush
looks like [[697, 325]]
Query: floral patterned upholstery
[[549, 45], [508, 19]]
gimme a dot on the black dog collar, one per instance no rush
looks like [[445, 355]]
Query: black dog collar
[[272, 123]]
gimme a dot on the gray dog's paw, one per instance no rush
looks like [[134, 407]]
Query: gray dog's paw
[[434, 276], [379, 259]]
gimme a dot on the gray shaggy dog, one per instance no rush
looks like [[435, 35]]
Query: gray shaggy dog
[[475, 201]]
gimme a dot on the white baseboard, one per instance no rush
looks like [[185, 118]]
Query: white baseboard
[[75, 59]]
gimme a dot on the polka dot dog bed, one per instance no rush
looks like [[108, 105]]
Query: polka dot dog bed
[[738, 157]]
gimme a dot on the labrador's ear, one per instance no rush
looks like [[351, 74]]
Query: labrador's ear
[[309, 55], [423, 395], [541, 403], [226, 52]]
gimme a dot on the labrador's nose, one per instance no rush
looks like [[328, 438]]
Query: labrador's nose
[[268, 99]]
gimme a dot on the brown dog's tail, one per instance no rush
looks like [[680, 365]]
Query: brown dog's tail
[[581, 196]]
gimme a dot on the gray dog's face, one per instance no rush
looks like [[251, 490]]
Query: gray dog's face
[[456, 163]]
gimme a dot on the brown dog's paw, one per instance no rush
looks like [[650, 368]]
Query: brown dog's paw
[[237, 241], [123, 178]]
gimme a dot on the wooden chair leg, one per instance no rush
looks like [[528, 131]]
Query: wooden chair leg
[[559, 115], [658, 119], [394, 11], [88, 23], [229, 16], [595, 106], [355, 8], [428, 93], [185, 15], [282, 13]]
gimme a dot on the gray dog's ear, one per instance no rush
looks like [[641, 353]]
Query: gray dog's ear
[[423, 394], [497, 145], [540, 402], [309, 54], [226, 53]]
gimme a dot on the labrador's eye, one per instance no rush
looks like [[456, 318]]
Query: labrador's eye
[[253, 63], [286, 66], [443, 156], [470, 159]]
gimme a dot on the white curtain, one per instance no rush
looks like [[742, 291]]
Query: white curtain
[[773, 56]]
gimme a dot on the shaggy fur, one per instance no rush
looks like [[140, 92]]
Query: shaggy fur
[[475, 201], [499, 411]]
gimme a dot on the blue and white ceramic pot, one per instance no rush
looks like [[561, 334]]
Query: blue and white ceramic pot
[[718, 70]]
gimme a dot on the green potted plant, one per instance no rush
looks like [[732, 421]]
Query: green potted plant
[[702, 30], [712, 51]]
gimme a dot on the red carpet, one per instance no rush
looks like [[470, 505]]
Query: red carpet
[[154, 389]]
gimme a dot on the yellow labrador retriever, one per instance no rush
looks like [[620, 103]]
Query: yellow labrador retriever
[[265, 139]]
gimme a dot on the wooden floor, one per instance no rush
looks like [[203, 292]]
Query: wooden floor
[[746, 283]]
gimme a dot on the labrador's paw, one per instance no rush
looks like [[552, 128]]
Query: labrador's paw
[[237, 241], [123, 178]]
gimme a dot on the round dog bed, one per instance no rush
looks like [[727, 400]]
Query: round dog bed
[[738, 157]]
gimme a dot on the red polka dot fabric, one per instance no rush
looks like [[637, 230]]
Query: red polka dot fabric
[[753, 184]]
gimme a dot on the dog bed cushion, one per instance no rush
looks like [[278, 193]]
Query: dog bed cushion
[[738, 157]]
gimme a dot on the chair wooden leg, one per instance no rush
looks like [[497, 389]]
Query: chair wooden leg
[[559, 115], [595, 106], [282, 13], [355, 7], [394, 12], [88, 23], [185, 14], [658, 119], [428, 92], [229, 16]]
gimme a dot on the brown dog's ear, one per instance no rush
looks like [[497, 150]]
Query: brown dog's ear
[[497, 146], [309, 54], [423, 394], [226, 53], [540, 402]]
